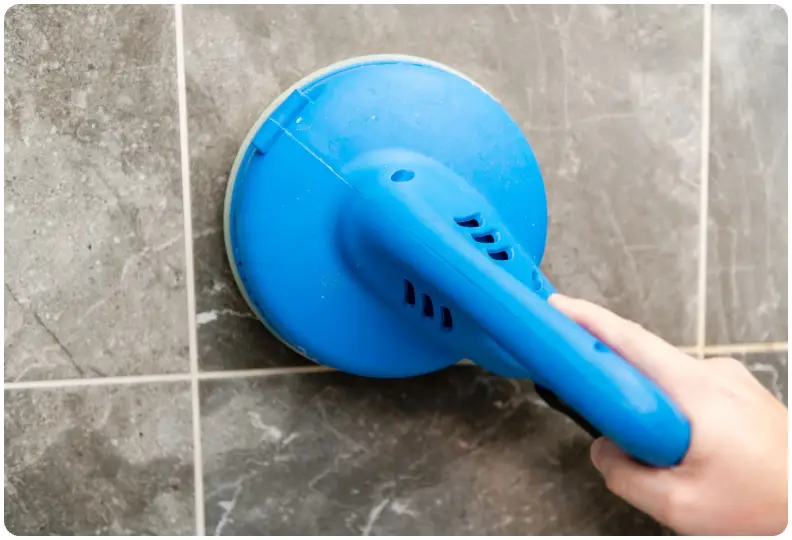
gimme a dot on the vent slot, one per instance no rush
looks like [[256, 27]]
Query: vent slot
[[486, 238], [536, 281], [445, 319], [409, 293], [470, 222], [500, 255], [428, 306]]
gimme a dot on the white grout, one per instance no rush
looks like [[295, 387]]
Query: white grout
[[701, 320], [166, 378], [200, 523], [261, 372], [99, 381], [710, 350], [746, 348]]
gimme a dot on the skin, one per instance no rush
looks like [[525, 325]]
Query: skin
[[733, 480]]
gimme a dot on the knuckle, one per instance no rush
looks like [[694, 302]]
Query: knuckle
[[619, 482], [672, 504], [729, 365], [634, 327], [632, 333]]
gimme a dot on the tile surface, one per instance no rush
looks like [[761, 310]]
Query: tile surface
[[94, 250], [609, 97], [456, 452], [101, 460], [748, 224]]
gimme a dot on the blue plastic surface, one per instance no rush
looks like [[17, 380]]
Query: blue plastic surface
[[388, 219]]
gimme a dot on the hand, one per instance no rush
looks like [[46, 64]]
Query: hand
[[733, 479]]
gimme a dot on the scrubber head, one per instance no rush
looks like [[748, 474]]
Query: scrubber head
[[294, 175]]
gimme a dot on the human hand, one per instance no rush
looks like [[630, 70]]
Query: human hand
[[733, 479]]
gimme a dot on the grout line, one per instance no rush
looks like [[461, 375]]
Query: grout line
[[706, 68], [122, 380], [261, 372], [200, 522], [99, 381], [710, 350], [746, 348]]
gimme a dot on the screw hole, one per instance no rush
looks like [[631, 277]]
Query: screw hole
[[600, 347], [469, 221], [500, 255], [409, 293], [487, 238], [402, 175], [428, 306], [445, 317]]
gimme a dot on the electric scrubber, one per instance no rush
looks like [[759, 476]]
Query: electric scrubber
[[386, 217]]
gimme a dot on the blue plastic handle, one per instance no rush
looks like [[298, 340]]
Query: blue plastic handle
[[409, 225], [615, 397]]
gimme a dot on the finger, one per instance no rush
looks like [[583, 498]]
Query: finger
[[732, 371], [648, 489], [670, 368], [727, 364]]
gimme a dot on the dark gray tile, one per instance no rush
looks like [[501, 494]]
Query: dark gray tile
[[94, 247], [613, 111], [456, 452], [99, 460], [747, 253], [609, 96]]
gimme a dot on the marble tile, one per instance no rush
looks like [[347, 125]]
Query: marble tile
[[94, 247], [611, 104], [609, 97], [456, 452], [748, 225], [99, 460]]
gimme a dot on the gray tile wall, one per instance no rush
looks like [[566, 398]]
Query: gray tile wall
[[98, 419], [454, 452], [747, 260], [94, 249], [110, 460]]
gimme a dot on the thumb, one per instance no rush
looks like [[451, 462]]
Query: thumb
[[647, 488]]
